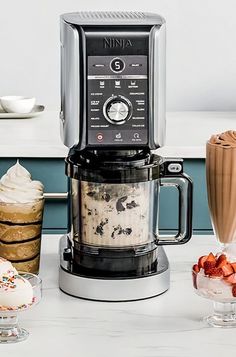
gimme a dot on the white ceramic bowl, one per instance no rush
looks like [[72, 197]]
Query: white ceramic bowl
[[17, 104]]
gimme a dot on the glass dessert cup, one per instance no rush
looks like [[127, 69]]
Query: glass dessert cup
[[10, 331], [221, 293]]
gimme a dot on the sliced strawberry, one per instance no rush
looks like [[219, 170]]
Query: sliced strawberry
[[233, 266], [211, 258], [196, 268], [234, 290], [215, 272], [221, 261], [231, 279], [227, 269], [208, 265], [201, 261]]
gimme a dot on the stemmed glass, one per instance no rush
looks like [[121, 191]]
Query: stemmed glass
[[220, 292], [219, 284], [10, 331]]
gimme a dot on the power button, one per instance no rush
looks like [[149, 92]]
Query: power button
[[99, 137]]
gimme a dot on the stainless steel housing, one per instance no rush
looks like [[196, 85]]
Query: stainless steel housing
[[73, 71], [118, 289], [113, 18]]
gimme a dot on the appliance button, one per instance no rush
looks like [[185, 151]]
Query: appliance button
[[94, 102], [99, 137], [174, 167], [118, 136], [136, 64], [117, 65], [136, 138]]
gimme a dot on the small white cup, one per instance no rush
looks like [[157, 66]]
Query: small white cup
[[17, 104]]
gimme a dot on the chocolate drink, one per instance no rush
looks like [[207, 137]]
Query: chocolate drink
[[221, 184]]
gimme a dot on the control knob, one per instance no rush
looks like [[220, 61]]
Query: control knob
[[117, 110]]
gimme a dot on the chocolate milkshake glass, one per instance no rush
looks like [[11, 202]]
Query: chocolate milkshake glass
[[21, 215], [221, 186], [214, 276]]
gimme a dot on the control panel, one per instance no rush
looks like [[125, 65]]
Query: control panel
[[117, 92]]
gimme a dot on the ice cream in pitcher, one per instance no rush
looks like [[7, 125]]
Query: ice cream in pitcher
[[104, 210], [21, 213]]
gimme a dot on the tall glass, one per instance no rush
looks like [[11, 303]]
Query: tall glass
[[221, 190], [216, 279], [20, 234]]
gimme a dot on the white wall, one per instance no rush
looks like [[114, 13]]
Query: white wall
[[201, 49]]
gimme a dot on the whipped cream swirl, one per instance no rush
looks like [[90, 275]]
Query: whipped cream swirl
[[226, 139], [16, 186]]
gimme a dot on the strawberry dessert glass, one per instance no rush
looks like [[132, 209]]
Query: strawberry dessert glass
[[214, 278]]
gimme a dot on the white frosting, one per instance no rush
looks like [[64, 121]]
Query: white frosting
[[16, 186]]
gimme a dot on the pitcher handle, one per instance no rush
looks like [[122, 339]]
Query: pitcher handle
[[172, 175]]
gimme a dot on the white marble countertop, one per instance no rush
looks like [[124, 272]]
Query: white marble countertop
[[169, 325], [32, 137], [186, 134]]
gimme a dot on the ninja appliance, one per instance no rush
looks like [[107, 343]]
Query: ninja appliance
[[112, 119]]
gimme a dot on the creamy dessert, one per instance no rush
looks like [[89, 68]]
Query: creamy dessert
[[21, 213], [221, 184], [6, 267], [214, 277], [15, 291], [114, 215]]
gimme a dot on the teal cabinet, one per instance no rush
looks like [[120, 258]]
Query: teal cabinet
[[52, 173]]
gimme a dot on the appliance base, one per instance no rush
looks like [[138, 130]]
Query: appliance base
[[114, 289]]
